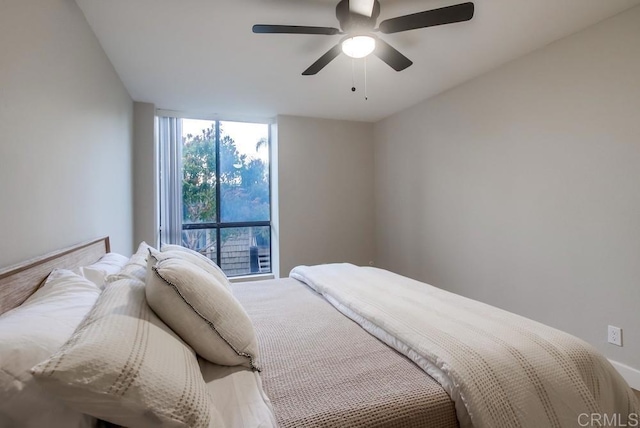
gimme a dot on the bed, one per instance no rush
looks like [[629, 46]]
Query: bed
[[326, 360]]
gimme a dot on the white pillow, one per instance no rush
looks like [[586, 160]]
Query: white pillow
[[197, 259], [203, 312], [29, 334], [109, 264], [125, 366], [136, 266]]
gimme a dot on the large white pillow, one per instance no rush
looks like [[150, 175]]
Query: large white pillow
[[203, 312], [125, 366], [29, 334], [196, 258], [109, 264]]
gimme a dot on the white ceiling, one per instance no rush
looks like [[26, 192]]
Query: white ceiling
[[200, 56]]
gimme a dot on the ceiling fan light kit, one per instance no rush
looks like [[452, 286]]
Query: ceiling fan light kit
[[357, 26], [358, 46]]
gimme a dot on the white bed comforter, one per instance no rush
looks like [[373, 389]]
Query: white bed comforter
[[501, 369]]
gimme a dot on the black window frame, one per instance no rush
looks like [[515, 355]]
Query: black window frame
[[219, 225]]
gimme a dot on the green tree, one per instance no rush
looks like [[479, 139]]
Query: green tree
[[199, 177], [244, 183]]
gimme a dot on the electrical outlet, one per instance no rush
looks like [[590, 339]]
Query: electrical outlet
[[614, 335]]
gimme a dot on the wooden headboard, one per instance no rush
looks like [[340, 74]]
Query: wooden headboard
[[18, 282]]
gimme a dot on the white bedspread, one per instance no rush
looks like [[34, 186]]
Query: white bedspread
[[501, 369], [237, 394]]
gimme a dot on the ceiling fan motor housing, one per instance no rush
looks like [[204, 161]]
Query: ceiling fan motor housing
[[353, 22]]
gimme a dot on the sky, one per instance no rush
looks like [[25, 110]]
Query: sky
[[245, 135]]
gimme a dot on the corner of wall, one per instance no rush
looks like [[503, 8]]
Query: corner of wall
[[145, 174]]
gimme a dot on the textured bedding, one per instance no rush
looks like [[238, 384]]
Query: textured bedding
[[320, 369], [238, 395], [503, 370]]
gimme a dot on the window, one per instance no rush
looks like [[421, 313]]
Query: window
[[215, 191]]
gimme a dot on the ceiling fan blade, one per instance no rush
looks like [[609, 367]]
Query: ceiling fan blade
[[391, 56], [429, 18], [323, 61], [293, 29], [361, 7]]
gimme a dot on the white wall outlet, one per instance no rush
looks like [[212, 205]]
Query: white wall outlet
[[614, 335]]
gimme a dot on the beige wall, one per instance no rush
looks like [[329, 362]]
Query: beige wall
[[145, 201], [65, 130], [521, 188], [325, 175]]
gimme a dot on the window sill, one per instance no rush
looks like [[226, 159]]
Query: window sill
[[251, 278]]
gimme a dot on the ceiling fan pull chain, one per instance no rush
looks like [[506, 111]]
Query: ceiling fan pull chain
[[353, 74], [365, 79]]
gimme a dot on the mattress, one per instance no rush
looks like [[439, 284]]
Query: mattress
[[320, 369]]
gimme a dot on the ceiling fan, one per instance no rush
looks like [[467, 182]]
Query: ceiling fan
[[357, 22]]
